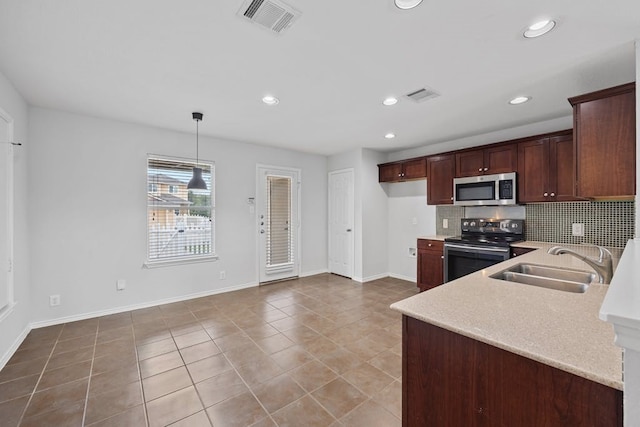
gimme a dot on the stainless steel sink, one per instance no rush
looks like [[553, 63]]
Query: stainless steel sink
[[561, 279]]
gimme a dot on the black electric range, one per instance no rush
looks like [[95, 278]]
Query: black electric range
[[482, 243]]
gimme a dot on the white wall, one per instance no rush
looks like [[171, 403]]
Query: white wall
[[87, 213], [15, 325], [371, 223], [409, 218], [374, 218]]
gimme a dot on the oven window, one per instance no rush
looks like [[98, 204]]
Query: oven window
[[476, 191], [461, 263]]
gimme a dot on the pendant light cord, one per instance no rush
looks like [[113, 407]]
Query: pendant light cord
[[197, 144]]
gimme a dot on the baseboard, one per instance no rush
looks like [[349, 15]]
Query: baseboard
[[371, 278], [313, 273], [90, 315], [14, 347], [401, 277]]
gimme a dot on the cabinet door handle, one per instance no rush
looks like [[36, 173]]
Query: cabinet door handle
[[429, 244], [485, 169], [545, 194], [442, 257], [479, 169], [553, 194]]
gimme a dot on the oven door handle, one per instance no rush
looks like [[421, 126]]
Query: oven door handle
[[468, 248]]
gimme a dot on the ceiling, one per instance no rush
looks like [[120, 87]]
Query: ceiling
[[153, 62]]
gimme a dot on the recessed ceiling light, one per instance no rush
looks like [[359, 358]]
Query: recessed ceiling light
[[390, 101], [519, 100], [270, 100], [539, 28], [390, 135], [407, 4]]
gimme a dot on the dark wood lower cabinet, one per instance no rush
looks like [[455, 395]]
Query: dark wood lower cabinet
[[450, 380], [430, 263]]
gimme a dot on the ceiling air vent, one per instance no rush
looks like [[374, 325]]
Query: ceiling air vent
[[423, 94], [273, 15]]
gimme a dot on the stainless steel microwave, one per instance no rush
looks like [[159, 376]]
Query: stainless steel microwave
[[485, 190]]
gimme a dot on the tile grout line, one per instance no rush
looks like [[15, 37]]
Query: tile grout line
[[93, 357], [33, 392]]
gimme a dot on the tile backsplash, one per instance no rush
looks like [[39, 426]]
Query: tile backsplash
[[605, 223]]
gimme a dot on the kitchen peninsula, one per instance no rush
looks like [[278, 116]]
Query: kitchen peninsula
[[482, 351]]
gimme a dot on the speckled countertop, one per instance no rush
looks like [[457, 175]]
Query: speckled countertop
[[560, 329], [438, 237]]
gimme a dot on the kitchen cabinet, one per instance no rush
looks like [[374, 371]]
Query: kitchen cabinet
[[430, 263], [405, 170], [452, 380], [605, 141], [546, 169], [497, 159], [440, 172]]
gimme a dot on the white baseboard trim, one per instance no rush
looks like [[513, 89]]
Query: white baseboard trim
[[371, 278], [401, 277], [313, 273], [16, 343], [90, 315]]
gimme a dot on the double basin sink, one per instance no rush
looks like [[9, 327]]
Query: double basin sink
[[561, 279]]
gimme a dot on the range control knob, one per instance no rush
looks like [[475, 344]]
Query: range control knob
[[514, 225], [473, 224], [465, 224]]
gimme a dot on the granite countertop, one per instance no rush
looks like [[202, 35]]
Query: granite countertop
[[560, 329]]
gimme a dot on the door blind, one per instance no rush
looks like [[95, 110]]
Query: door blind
[[279, 235]]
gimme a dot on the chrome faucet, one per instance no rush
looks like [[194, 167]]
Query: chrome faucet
[[603, 265]]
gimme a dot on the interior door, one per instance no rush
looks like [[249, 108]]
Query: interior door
[[341, 223], [278, 223], [6, 209]]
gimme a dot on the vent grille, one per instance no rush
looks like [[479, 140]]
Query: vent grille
[[271, 14], [422, 94]]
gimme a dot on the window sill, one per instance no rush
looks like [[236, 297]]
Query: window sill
[[173, 262]]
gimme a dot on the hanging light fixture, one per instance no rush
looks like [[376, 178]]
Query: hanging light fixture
[[197, 183]]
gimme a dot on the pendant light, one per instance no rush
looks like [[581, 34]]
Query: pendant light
[[197, 183]]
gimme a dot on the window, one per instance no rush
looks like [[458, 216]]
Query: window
[[180, 222]]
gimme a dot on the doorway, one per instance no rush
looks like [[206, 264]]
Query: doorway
[[341, 222], [277, 201]]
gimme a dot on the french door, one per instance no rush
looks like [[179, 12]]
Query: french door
[[278, 223]]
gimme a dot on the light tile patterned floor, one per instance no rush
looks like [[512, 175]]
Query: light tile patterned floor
[[318, 351]]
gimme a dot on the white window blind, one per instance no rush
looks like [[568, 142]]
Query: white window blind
[[279, 235], [180, 222]]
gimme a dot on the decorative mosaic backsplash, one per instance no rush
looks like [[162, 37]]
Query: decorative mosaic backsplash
[[605, 223]]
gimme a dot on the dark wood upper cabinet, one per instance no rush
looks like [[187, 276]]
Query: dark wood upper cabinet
[[546, 169], [605, 142], [389, 172], [404, 170], [497, 159], [440, 172]]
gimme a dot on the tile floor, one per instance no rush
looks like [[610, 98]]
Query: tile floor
[[317, 351]]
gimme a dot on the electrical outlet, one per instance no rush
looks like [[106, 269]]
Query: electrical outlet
[[223, 275], [121, 284], [414, 221], [577, 229], [445, 223], [54, 300]]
